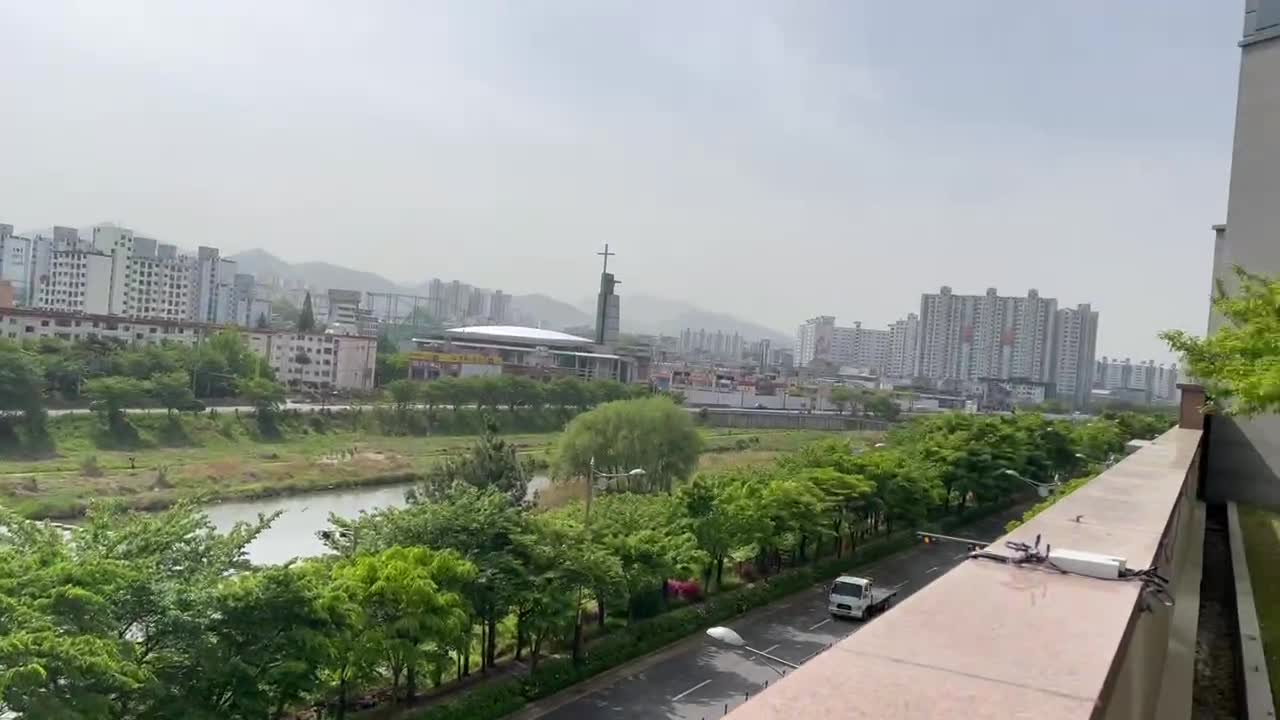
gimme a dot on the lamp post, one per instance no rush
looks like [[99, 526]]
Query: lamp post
[[1042, 489], [733, 639], [1111, 459], [586, 524]]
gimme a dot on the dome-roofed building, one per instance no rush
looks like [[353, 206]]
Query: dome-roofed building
[[517, 350]]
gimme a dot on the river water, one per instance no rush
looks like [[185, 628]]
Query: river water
[[293, 534]]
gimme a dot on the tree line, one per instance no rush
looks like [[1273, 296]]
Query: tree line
[[158, 616]]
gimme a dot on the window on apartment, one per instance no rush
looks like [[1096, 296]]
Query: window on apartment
[[44, 323]]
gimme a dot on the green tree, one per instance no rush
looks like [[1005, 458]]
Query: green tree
[[566, 392], [516, 391], [389, 367], [644, 532], [173, 391], [415, 596], [114, 621], [111, 396], [882, 406], [651, 434], [249, 673], [841, 396], [404, 393], [306, 318], [721, 516], [20, 390], [1240, 363], [491, 462], [266, 397]]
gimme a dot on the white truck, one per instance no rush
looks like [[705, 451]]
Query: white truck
[[856, 597]]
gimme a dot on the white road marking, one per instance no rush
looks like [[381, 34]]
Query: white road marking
[[901, 585], [686, 692], [769, 649], [935, 567], [961, 556], [815, 627]]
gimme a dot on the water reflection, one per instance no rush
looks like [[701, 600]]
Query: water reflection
[[293, 535]]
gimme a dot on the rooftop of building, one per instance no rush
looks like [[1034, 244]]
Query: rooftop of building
[[517, 333]]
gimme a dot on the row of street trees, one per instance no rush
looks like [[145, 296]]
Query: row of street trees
[[112, 376], [157, 616], [879, 404], [501, 392]]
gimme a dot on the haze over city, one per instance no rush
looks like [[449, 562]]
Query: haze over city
[[772, 161]]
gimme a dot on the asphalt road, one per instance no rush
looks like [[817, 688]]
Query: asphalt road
[[699, 679]]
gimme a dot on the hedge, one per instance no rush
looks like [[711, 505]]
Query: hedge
[[503, 697]]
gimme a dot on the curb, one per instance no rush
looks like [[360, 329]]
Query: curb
[[1256, 681]]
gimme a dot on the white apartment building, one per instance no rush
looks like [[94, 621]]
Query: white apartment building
[[1074, 346], [1160, 383], [317, 360], [17, 263], [311, 360], [116, 272], [158, 281], [903, 336], [969, 337], [499, 307], [215, 297], [820, 339], [21, 324], [76, 281]]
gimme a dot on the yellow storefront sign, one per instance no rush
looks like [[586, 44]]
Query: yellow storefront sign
[[451, 358]]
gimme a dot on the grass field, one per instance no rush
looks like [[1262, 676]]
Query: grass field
[[1261, 531], [221, 458]]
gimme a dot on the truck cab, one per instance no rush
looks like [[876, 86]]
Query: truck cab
[[856, 597]]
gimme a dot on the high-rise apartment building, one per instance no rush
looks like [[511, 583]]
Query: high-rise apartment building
[[77, 280], [17, 264], [1158, 382], [819, 339], [971, 338], [214, 292], [903, 336], [478, 304], [157, 281], [499, 307], [1074, 346]]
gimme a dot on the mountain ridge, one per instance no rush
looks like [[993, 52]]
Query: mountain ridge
[[641, 313]]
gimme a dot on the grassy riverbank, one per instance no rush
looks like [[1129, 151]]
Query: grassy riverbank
[[225, 458]]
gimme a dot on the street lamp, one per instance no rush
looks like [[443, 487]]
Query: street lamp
[[1111, 459], [586, 524], [731, 638], [1042, 489]]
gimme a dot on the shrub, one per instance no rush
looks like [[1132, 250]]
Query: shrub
[[685, 589], [89, 466]]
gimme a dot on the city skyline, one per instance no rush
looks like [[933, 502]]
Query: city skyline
[[757, 137]]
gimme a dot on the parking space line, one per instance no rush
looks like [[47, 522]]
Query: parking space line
[[824, 622], [686, 692], [935, 567], [771, 648]]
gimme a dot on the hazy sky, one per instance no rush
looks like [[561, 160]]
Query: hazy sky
[[776, 160]]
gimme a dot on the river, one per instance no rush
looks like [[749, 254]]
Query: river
[[293, 534]]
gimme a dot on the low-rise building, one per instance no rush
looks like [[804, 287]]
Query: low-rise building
[[509, 349], [19, 324], [317, 361], [325, 360]]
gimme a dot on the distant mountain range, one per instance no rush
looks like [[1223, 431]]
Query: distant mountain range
[[640, 313]]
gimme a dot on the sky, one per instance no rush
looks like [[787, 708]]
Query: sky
[[774, 160]]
